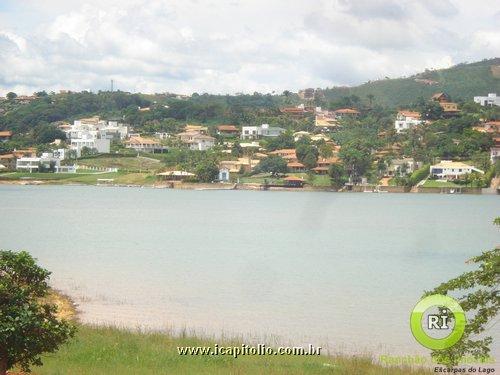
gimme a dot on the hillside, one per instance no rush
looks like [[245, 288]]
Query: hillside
[[461, 82]]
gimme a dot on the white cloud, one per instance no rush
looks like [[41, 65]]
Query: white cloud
[[230, 46]]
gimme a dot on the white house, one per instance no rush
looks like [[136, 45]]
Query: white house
[[201, 142], [490, 100], [31, 164], [452, 170], [97, 128], [402, 166], [264, 130], [100, 145], [406, 120]]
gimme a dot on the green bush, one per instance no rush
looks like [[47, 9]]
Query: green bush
[[419, 175]]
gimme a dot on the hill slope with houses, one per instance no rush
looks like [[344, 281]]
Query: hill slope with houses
[[462, 82]]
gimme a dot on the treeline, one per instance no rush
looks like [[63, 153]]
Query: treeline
[[47, 109]]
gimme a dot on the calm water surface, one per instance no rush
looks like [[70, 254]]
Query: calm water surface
[[338, 270]]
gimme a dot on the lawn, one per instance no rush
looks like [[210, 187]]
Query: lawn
[[441, 184], [112, 351], [84, 178], [127, 162]]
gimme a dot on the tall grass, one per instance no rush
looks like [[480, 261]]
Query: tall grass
[[106, 350]]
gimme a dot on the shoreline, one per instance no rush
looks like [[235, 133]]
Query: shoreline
[[373, 189], [68, 309]]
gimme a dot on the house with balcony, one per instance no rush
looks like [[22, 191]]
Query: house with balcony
[[406, 120], [33, 164], [142, 144], [452, 170]]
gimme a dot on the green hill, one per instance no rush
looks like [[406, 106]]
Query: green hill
[[462, 82]]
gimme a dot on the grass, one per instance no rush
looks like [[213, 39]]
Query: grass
[[441, 184], [106, 350], [128, 163], [84, 178]]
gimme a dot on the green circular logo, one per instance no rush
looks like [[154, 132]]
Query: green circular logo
[[437, 322]]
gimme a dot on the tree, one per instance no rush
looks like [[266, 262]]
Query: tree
[[431, 111], [11, 96], [481, 299], [284, 140], [72, 154], [87, 151], [273, 164], [307, 154], [207, 171], [236, 150], [337, 175], [356, 158], [48, 133], [29, 326]]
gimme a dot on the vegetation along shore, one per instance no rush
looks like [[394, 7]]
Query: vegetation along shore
[[437, 131]]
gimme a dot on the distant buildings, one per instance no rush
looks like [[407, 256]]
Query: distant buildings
[[141, 144], [96, 127], [488, 101], [93, 133], [449, 108], [227, 130], [452, 170], [264, 130], [406, 120]]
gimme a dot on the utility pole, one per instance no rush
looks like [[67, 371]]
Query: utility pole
[[112, 83]]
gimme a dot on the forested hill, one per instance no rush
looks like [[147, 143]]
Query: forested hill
[[462, 82]]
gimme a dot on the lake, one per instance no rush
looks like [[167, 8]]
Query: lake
[[342, 271]]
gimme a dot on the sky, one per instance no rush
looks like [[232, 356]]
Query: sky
[[233, 46]]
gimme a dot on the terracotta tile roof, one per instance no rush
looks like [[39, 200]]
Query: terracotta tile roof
[[347, 111], [295, 164], [6, 133], [7, 156], [227, 128], [409, 114]]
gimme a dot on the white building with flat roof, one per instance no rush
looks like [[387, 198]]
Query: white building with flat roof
[[264, 130], [488, 101], [451, 170], [32, 164], [99, 145]]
